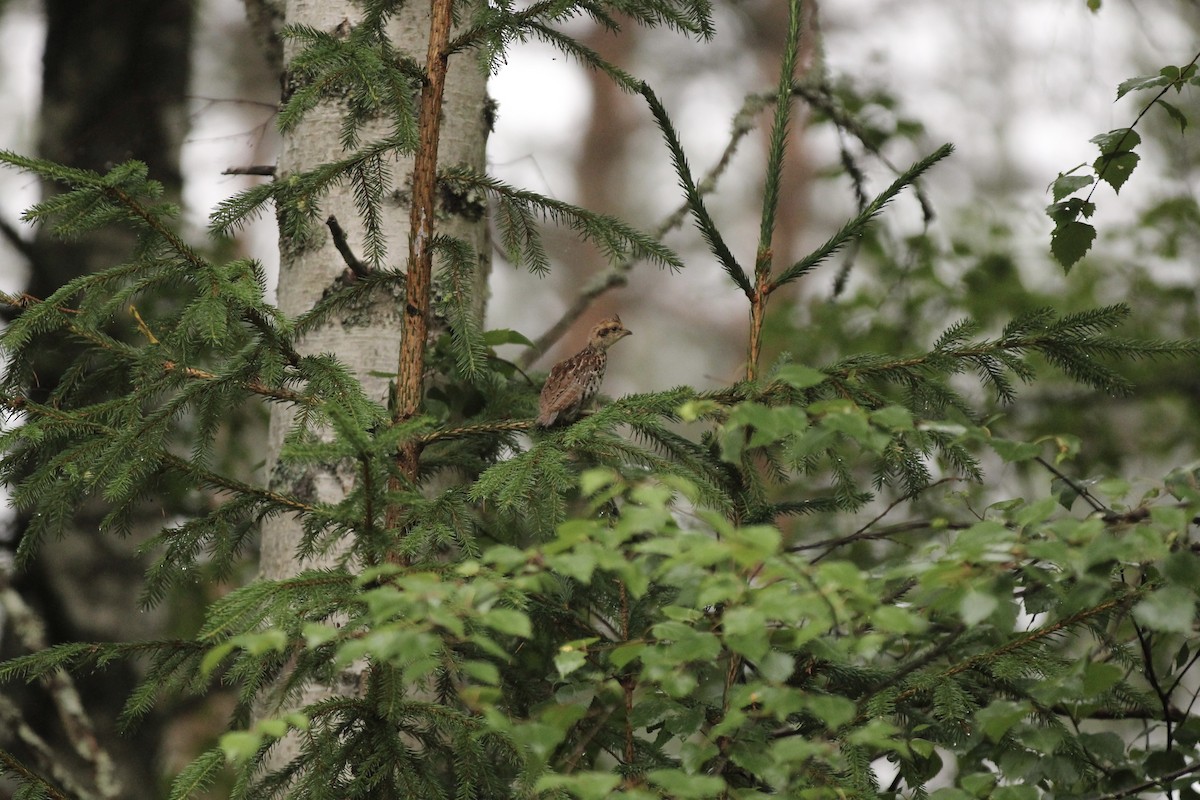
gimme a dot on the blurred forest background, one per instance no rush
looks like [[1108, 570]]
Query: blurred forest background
[[1018, 87]]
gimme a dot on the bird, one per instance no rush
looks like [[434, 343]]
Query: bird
[[574, 381]]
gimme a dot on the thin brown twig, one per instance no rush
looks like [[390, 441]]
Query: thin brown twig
[[267, 170], [355, 268], [1077, 488], [860, 534], [410, 369], [1130, 791]]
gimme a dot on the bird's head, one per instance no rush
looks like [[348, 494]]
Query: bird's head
[[608, 332]]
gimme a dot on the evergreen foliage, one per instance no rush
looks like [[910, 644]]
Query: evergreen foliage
[[675, 596]]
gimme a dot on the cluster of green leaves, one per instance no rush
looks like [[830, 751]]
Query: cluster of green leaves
[[1072, 238], [626, 605]]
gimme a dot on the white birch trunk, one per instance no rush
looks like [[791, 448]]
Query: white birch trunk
[[366, 339]]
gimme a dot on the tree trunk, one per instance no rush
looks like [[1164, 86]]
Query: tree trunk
[[114, 83], [366, 339]]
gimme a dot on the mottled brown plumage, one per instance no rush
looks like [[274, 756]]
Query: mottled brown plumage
[[574, 381]]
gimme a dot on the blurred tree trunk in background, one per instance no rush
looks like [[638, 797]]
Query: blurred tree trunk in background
[[115, 78]]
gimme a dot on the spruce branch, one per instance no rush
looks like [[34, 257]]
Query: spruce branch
[[819, 96], [1033, 637], [704, 221], [479, 429], [91, 336], [225, 483], [777, 145], [855, 227], [457, 305], [617, 274], [764, 256], [76, 420], [43, 752], [615, 238], [97, 200]]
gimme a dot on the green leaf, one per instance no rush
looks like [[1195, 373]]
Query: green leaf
[[1000, 716], [1115, 169], [623, 654], [1182, 567], [1070, 242], [679, 784], [901, 621], [1099, 677], [499, 336], [976, 606], [1171, 610], [509, 621], [1139, 83], [893, 418], [1120, 140], [1068, 184], [833, 710], [1174, 113], [746, 631], [240, 745], [1070, 210], [950, 793], [584, 785], [800, 377], [1015, 452], [568, 659], [979, 784]]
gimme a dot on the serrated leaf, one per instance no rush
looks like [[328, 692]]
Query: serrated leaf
[[1014, 452], [507, 620], [1175, 114], [677, 783], [999, 717], [1170, 610], [240, 745], [975, 607], [1070, 210], [1070, 242], [1099, 677], [1067, 184], [583, 785], [1139, 83], [1120, 140], [1116, 169], [569, 659], [500, 336], [800, 377]]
